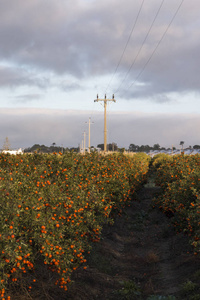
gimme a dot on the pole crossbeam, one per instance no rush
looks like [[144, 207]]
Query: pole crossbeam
[[105, 100]]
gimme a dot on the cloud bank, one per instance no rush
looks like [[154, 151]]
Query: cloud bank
[[26, 127], [86, 39]]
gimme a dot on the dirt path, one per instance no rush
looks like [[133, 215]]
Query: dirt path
[[139, 256]]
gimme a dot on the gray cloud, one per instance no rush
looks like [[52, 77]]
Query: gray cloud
[[10, 77], [67, 85], [85, 40], [28, 98], [15, 77]]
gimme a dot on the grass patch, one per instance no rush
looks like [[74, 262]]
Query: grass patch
[[130, 291], [189, 290]]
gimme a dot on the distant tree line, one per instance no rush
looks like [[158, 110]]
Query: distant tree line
[[110, 147], [144, 148], [49, 149], [147, 148]]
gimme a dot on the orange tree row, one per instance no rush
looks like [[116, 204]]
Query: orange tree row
[[179, 177], [52, 207]]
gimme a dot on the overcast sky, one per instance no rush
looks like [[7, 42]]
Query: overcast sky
[[55, 56]]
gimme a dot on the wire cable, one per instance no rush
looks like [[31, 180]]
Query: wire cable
[[137, 17], [158, 44], [150, 28]]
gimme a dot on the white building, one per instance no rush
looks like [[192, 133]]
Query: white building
[[14, 152]]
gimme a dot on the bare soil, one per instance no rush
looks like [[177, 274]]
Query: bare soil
[[138, 257]]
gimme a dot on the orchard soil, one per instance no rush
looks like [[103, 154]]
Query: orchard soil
[[139, 256]]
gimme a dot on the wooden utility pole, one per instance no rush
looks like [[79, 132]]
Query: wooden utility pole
[[105, 121], [84, 134], [81, 148], [89, 134]]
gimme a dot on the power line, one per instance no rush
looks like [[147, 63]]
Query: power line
[[157, 13], [137, 17], [158, 44], [142, 70]]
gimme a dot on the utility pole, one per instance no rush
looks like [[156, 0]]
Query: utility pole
[[105, 121], [84, 134], [81, 147], [89, 133]]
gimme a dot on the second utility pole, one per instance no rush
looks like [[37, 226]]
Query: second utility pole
[[105, 122], [89, 134]]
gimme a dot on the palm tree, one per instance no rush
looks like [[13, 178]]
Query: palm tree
[[182, 143]]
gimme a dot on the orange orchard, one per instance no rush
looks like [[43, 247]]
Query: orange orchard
[[54, 206]]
